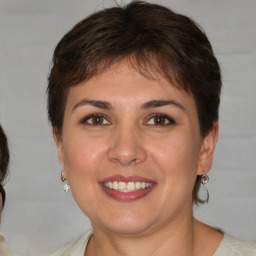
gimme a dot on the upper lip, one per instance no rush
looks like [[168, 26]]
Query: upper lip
[[126, 179]]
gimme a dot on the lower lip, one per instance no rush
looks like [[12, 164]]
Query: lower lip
[[127, 196]]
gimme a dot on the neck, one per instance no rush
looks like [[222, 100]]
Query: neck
[[174, 239]]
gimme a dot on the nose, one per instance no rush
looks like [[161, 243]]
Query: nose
[[127, 147]]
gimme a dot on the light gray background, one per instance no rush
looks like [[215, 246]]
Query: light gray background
[[38, 215]]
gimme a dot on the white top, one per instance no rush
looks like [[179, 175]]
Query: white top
[[4, 250], [229, 246]]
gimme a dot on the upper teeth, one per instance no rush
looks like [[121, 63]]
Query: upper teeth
[[127, 186]]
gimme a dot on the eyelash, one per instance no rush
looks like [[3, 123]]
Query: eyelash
[[91, 116], [170, 120], [167, 120]]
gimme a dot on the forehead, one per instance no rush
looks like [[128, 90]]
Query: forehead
[[122, 83]]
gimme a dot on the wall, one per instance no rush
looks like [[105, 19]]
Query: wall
[[38, 215]]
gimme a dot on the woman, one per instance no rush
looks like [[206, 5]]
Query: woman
[[4, 162], [133, 100]]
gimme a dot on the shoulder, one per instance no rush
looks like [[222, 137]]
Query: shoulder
[[4, 250], [231, 246], [76, 247]]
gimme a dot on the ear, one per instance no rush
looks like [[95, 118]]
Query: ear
[[207, 150], [58, 141]]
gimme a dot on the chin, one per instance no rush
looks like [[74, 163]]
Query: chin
[[126, 224], [128, 228]]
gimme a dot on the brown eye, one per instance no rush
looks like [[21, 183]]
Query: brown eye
[[95, 119], [160, 120]]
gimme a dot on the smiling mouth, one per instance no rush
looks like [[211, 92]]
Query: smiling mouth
[[127, 187]]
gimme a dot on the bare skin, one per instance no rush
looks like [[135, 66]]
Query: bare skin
[[202, 240], [121, 124]]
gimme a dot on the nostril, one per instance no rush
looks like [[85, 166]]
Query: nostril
[[127, 157], [125, 160], [126, 147]]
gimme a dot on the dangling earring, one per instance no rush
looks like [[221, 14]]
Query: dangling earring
[[204, 179], [66, 186]]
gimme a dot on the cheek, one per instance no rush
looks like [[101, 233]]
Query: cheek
[[176, 151], [81, 155], [177, 158], [82, 162]]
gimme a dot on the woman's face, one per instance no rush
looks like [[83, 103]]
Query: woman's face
[[131, 150]]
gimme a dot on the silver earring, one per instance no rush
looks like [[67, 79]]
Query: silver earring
[[204, 179], [66, 186]]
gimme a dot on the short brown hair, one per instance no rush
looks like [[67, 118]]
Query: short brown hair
[[4, 161], [155, 40]]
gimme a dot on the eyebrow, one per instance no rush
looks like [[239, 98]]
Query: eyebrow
[[161, 103], [95, 103], [150, 104]]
